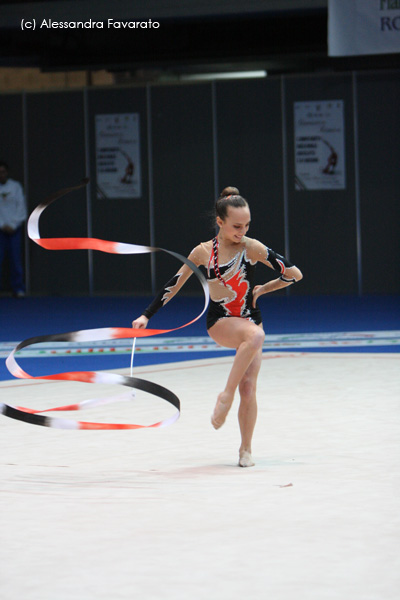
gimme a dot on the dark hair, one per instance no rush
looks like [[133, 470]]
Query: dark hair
[[4, 164], [230, 196]]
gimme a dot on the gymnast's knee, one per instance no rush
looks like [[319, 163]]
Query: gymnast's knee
[[256, 338], [247, 388]]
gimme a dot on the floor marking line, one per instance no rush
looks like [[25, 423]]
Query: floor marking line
[[179, 366]]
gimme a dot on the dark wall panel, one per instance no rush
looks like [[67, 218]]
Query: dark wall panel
[[11, 127], [379, 152], [322, 223], [183, 172], [250, 153], [121, 219], [56, 150]]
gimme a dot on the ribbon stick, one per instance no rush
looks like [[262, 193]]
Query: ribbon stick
[[28, 415], [132, 355]]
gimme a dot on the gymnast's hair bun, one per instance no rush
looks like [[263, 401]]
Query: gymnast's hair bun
[[229, 191], [229, 197]]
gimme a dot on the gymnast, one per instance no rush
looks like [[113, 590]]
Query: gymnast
[[233, 318]]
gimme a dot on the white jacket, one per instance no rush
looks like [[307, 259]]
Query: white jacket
[[12, 204]]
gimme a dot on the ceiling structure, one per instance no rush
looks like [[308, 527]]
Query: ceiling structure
[[194, 36]]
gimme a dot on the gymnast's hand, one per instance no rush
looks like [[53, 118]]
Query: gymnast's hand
[[140, 323]]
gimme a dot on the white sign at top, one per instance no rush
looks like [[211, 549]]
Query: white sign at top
[[363, 27]]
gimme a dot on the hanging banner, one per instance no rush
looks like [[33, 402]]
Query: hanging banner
[[118, 156], [363, 27], [319, 145]]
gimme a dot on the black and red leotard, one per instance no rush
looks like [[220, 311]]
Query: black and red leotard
[[237, 277], [231, 283]]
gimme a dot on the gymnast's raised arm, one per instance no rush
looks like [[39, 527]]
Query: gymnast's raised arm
[[169, 290]]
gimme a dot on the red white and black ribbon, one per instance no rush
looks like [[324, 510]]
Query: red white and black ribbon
[[29, 415]]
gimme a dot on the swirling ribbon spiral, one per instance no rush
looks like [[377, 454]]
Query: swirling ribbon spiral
[[29, 415]]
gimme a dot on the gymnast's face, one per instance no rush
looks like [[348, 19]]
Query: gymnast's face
[[235, 225]]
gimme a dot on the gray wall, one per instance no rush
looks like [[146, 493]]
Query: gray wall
[[195, 140]]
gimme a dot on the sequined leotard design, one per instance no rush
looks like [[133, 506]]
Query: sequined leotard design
[[236, 297], [231, 283]]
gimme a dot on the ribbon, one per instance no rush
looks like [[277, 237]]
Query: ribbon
[[29, 415]]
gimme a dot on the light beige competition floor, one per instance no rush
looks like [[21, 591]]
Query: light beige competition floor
[[167, 514]]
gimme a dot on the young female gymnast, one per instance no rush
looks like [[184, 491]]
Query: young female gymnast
[[233, 318]]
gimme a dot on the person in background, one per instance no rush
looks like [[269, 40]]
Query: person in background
[[12, 216]]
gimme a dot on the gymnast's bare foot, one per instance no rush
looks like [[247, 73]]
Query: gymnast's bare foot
[[245, 459], [224, 402]]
